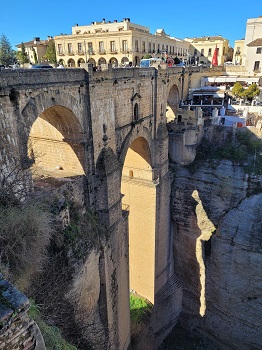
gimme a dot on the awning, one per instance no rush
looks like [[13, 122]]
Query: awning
[[220, 79], [249, 80]]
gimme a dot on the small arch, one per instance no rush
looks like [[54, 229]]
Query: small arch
[[61, 61], [102, 60], [81, 60], [124, 61], [71, 63], [113, 61], [92, 61], [172, 103]]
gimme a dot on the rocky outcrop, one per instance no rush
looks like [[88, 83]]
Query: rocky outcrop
[[217, 225]]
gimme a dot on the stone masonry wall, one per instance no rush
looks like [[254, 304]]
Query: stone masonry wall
[[17, 330]]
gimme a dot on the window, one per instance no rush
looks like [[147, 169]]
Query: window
[[195, 52], [136, 112], [136, 45], [149, 48], [101, 47], [166, 48], [256, 65], [60, 49], [143, 46], [80, 48], [202, 52], [209, 52], [158, 48], [124, 46], [154, 47], [218, 51], [90, 48], [259, 49], [112, 46], [70, 50]]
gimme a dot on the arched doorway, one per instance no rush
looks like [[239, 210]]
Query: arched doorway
[[101, 60], [113, 61], [124, 61], [71, 63], [139, 198], [172, 103], [81, 60], [61, 61], [55, 144], [92, 61]]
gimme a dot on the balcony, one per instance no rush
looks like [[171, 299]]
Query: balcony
[[81, 52], [102, 52], [113, 52]]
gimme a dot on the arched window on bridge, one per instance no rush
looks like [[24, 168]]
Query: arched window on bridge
[[136, 113]]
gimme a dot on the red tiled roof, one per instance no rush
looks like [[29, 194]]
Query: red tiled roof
[[256, 42]]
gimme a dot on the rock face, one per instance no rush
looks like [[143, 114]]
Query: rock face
[[217, 225]]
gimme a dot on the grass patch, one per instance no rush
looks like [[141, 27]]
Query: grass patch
[[139, 308], [52, 335]]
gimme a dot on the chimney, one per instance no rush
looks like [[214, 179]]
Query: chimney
[[104, 20], [115, 20], [36, 40]]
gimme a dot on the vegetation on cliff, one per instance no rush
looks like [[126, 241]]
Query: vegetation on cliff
[[241, 147]]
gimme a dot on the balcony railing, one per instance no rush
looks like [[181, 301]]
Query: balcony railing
[[102, 51]]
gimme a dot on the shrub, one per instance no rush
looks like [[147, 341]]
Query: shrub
[[25, 230]]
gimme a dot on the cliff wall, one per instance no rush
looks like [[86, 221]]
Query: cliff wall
[[217, 225]]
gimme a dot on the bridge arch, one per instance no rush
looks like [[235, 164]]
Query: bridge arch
[[54, 134], [138, 192], [172, 103]]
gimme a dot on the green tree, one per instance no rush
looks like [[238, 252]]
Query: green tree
[[7, 56], [238, 90], [50, 52], [22, 55], [251, 92], [147, 55]]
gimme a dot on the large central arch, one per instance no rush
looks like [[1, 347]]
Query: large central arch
[[139, 197]]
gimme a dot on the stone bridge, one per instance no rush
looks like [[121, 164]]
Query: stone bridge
[[108, 127]]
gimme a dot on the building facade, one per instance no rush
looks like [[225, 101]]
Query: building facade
[[118, 43], [202, 49], [248, 51], [35, 49], [238, 52], [252, 54]]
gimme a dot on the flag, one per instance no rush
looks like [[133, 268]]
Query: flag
[[214, 59]]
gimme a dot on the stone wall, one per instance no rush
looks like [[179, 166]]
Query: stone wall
[[17, 329]]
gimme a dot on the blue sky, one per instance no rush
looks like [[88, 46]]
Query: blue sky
[[24, 20]]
